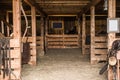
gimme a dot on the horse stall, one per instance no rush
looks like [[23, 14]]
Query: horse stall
[[99, 52], [62, 33]]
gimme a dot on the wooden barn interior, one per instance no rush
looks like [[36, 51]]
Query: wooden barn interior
[[59, 40]]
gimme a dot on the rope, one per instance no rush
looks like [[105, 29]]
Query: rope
[[26, 20]]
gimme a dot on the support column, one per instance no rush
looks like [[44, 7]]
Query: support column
[[111, 14], [33, 13], [92, 22], [79, 34], [83, 33], [16, 41], [111, 36], [46, 33], [8, 29], [42, 37], [2, 26]]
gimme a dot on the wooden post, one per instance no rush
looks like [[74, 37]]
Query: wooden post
[[46, 33], [92, 50], [79, 34], [17, 37], [7, 19], [33, 13], [83, 33], [2, 26], [42, 36], [111, 14], [111, 36]]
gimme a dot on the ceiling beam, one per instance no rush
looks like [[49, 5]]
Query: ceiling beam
[[87, 7], [61, 2], [64, 4], [33, 3]]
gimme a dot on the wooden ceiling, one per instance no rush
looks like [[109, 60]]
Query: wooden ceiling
[[52, 7], [59, 7]]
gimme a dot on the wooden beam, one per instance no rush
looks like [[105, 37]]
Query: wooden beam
[[42, 36], [92, 22], [87, 7], [111, 36], [62, 2], [33, 3], [67, 15], [79, 32], [111, 14], [17, 36], [33, 13], [83, 33], [46, 32]]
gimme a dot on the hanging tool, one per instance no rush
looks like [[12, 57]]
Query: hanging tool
[[25, 44]]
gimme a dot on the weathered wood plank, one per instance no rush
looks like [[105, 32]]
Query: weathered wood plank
[[15, 43], [87, 46], [99, 39], [101, 51], [13, 53], [100, 45]]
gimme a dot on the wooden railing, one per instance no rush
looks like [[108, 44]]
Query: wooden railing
[[62, 41], [100, 49]]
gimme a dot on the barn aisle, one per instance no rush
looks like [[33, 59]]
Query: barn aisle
[[63, 64]]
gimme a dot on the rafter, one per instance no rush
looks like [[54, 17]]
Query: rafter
[[33, 3], [87, 7]]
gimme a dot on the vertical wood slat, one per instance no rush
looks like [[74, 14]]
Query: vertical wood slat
[[7, 19], [2, 26], [17, 33], [111, 36], [83, 33], [92, 8]]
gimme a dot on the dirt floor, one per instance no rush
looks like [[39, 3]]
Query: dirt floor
[[63, 64]]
